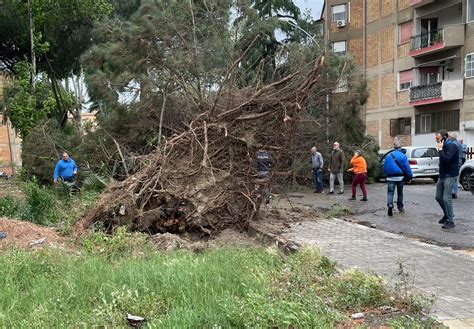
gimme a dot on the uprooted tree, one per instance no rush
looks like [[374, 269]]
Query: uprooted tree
[[204, 178], [181, 61]]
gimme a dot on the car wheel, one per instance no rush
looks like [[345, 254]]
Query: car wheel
[[464, 179], [435, 179]]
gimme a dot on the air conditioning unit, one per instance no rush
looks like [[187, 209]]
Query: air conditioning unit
[[341, 23]]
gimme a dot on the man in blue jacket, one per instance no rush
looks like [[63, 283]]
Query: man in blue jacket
[[66, 169], [448, 171], [396, 168]]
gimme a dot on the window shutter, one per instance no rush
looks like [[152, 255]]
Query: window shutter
[[405, 76], [405, 31], [393, 127]]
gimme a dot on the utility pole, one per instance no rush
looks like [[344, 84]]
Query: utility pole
[[32, 45]]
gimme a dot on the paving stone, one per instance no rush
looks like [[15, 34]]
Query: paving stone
[[447, 273]]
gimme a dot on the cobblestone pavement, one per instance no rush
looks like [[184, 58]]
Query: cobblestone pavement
[[421, 212], [447, 274]]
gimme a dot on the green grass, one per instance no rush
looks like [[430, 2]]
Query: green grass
[[257, 288], [46, 206], [338, 210]]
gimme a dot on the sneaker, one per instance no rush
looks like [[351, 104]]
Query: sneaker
[[443, 220], [390, 211], [316, 191], [401, 211], [331, 192], [342, 192], [455, 196], [364, 199], [448, 225], [352, 198]]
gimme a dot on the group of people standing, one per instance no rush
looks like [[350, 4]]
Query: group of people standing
[[336, 167], [452, 154]]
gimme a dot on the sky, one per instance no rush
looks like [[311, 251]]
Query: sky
[[313, 5]]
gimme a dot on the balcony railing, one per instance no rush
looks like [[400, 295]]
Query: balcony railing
[[420, 93], [426, 39]]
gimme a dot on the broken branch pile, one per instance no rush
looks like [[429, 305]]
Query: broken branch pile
[[204, 179]]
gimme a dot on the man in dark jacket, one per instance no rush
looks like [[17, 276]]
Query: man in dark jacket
[[337, 163], [396, 168], [448, 171], [454, 138]]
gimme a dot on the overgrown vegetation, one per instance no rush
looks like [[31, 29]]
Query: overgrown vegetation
[[46, 206], [256, 288]]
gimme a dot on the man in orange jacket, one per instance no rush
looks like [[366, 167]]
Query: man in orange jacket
[[359, 168]]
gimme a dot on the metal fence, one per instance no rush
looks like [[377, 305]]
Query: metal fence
[[426, 39], [419, 93], [470, 153]]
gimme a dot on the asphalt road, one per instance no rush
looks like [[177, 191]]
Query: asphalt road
[[420, 220]]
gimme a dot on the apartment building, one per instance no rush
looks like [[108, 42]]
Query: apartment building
[[10, 144], [418, 59]]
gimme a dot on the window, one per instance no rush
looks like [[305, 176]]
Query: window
[[400, 126], [429, 152], [405, 80], [339, 13], [429, 123], [425, 123], [339, 47], [470, 10], [404, 32], [429, 75], [469, 69]]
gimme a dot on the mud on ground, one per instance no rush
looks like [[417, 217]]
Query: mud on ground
[[26, 235]]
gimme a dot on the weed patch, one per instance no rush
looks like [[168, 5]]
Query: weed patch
[[256, 288], [337, 211]]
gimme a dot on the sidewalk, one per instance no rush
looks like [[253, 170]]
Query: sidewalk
[[447, 274]]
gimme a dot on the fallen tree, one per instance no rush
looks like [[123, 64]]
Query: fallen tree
[[204, 179]]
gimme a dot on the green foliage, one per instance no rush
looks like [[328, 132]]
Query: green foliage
[[9, 206], [37, 206], [27, 107], [45, 206], [40, 204], [120, 244], [62, 32], [43, 146], [338, 210], [254, 288]]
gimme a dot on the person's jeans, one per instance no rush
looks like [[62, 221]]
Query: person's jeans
[[318, 179], [340, 179], [391, 192], [454, 188], [444, 196], [359, 179]]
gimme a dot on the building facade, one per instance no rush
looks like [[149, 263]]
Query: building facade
[[10, 144], [418, 59]]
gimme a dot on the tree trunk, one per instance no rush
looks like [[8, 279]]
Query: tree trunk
[[160, 128], [32, 45]]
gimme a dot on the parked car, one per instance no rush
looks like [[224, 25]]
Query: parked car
[[423, 160], [466, 170]]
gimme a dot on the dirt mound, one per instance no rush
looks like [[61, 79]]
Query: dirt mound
[[205, 179], [27, 235]]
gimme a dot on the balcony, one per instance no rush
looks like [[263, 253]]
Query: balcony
[[449, 36], [419, 3], [444, 91]]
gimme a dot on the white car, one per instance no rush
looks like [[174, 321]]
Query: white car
[[423, 160], [466, 170]]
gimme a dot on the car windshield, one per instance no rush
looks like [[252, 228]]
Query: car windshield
[[425, 152]]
